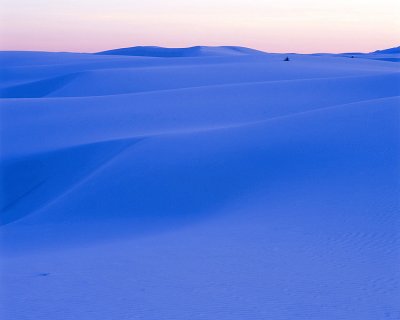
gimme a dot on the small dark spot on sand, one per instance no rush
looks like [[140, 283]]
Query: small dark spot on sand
[[43, 274]]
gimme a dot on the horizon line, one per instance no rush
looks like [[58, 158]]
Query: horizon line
[[194, 46]]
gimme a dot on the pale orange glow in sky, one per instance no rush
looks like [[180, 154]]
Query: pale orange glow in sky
[[285, 26]]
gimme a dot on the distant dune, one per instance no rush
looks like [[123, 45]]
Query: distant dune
[[388, 51], [197, 51]]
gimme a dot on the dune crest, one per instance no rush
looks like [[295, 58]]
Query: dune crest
[[196, 51]]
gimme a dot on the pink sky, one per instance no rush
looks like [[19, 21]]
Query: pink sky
[[284, 26]]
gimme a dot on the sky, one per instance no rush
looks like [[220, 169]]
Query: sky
[[302, 26]]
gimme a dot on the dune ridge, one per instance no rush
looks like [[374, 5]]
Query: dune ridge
[[196, 51]]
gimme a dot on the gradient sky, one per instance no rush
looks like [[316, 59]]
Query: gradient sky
[[276, 26]]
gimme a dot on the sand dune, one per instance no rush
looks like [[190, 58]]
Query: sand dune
[[394, 50], [197, 51], [219, 183]]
